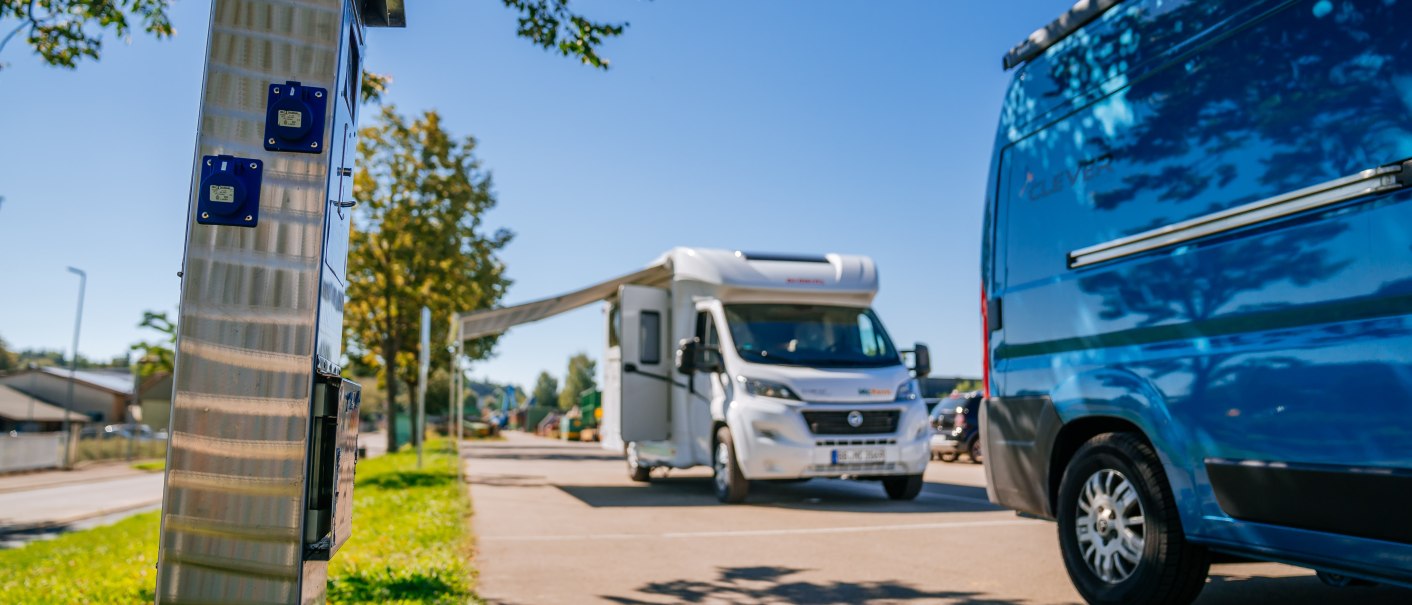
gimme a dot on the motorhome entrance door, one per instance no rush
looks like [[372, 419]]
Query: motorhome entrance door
[[647, 362]]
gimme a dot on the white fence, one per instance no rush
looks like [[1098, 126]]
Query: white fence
[[30, 451]]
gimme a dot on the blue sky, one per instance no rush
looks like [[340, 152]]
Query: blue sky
[[820, 126]]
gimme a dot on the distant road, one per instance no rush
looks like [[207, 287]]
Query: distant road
[[27, 513]]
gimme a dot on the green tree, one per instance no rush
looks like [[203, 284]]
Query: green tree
[[8, 360], [418, 240], [156, 355], [546, 390], [579, 379], [64, 32]]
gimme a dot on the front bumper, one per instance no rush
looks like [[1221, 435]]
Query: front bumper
[[773, 442]]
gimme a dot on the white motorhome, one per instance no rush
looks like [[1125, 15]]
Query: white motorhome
[[763, 366]]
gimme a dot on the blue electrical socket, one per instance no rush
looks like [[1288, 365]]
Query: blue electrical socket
[[229, 193], [294, 118]]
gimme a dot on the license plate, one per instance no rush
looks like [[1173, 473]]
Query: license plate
[[860, 456]]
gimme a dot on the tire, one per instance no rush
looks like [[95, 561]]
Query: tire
[[904, 487], [731, 485], [1118, 477], [973, 450], [638, 472], [950, 457]]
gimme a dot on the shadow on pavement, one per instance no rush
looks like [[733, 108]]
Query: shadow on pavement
[[1227, 588], [772, 584], [819, 494]]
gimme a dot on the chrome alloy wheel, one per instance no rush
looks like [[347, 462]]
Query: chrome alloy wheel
[[1110, 526], [723, 463]]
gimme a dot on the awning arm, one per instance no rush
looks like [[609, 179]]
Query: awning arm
[[476, 324]]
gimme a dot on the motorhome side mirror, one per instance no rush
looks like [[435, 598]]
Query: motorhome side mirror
[[708, 359], [921, 360], [686, 355]]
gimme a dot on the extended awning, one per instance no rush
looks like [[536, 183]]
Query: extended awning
[[475, 324]]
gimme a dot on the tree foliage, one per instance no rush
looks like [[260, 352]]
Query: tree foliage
[[418, 240], [156, 355], [550, 25], [579, 379], [64, 32], [546, 390]]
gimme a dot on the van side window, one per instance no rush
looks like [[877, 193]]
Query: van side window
[[712, 339], [650, 335], [706, 330]]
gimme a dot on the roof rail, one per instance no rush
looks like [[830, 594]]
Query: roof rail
[[1082, 12]]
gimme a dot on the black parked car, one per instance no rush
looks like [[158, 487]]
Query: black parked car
[[956, 429]]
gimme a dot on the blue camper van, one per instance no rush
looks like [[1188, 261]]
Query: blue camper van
[[1197, 290]]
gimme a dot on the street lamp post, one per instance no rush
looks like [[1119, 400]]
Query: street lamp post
[[73, 362]]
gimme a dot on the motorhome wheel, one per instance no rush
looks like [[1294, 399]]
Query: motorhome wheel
[[731, 484]]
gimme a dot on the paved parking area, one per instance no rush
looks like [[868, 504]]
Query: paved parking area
[[560, 523]]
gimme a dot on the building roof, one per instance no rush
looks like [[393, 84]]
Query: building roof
[[115, 381], [15, 406]]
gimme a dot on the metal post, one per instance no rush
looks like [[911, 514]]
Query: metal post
[[73, 362], [424, 364], [456, 400]]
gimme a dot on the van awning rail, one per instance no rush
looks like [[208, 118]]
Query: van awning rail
[[1368, 182]]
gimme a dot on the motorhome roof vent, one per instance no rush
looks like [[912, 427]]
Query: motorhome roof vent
[[783, 258]]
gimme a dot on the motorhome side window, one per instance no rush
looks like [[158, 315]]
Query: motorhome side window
[[810, 335], [651, 337]]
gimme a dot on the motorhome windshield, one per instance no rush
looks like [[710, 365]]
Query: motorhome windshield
[[810, 335]]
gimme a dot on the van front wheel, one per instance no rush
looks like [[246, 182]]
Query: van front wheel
[[731, 484], [1119, 531], [636, 470]]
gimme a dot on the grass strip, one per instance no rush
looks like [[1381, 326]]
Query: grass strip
[[411, 543]]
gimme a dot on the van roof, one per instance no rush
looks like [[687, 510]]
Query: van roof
[[1078, 16]]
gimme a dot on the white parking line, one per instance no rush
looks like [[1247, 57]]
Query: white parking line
[[763, 532]]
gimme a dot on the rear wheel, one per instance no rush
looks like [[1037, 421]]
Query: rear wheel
[[974, 450], [905, 487], [950, 457], [731, 484], [1119, 531]]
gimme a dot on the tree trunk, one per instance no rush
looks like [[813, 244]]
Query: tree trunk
[[389, 364]]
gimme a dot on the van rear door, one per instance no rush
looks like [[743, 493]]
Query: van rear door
[[645, 387]]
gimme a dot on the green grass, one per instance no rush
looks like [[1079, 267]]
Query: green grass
[[150, 465], [419, 551], [111, 564], [411, 544]]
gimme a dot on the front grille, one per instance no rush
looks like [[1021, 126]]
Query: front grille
[[836, 423]]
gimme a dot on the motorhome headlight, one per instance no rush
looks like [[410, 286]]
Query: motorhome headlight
[[765, 388], [907, 391]]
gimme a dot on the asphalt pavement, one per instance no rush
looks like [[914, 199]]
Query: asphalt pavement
[[560, 522]]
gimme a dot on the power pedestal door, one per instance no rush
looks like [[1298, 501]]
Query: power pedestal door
[[263, 441], [647, 363]]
